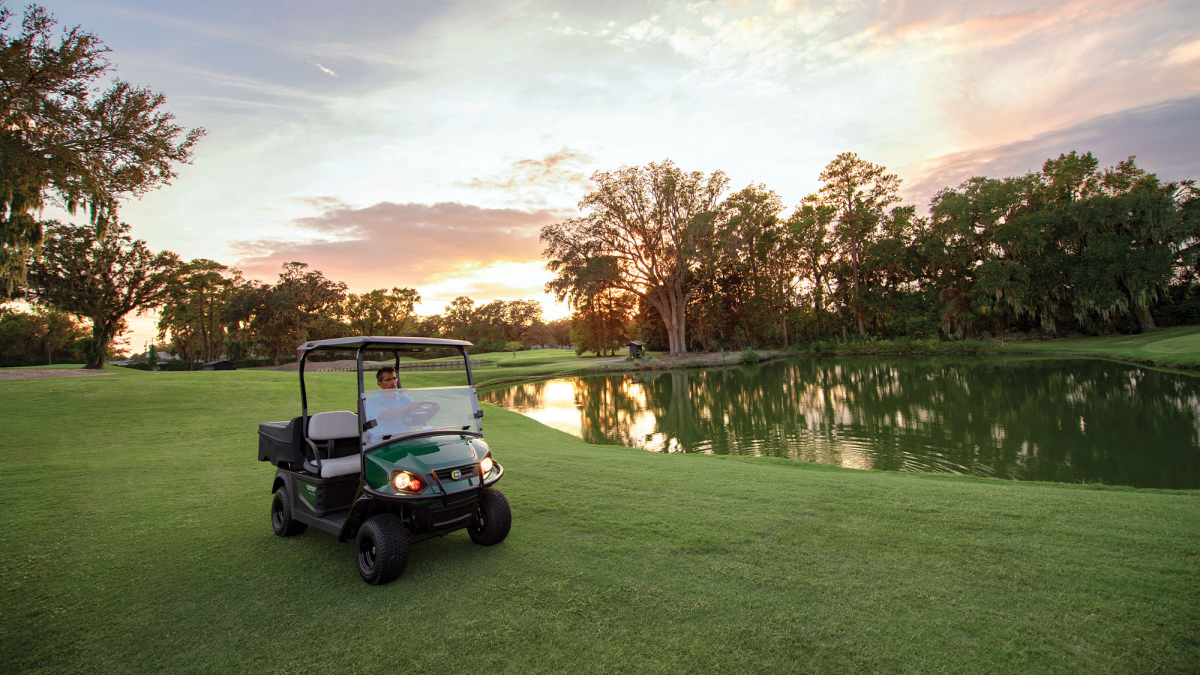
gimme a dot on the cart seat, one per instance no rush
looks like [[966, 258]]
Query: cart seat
[[328, 426], [333, 426], [338, 466]]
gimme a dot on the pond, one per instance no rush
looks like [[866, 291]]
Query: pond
[[1067, 420]]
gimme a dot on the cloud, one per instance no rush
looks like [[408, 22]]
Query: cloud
[[950, 30], [1156, 134], [553, 170], [531, 182], [1185, 53], [324, 69], [399, 244]]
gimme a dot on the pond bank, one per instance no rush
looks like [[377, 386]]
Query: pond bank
[[1177, 347], [1173, 348]]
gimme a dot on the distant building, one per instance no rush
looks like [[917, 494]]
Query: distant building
[[636, 348], [220, 364]]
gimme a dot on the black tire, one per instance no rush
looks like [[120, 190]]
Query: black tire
[[381, 549], [281, 515], [493, 519]]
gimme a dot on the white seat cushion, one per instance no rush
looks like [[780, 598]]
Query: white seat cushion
[[338, 466], [327, 426]]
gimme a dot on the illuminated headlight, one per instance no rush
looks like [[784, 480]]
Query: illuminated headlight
[[486, 465], [406, 482]]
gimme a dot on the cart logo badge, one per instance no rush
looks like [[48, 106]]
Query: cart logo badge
[[456, 474]]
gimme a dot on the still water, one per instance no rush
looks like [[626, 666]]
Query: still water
[[1069, 420]]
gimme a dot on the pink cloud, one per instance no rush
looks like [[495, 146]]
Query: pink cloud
[[912, 22], [399, 244], [1152, 133]]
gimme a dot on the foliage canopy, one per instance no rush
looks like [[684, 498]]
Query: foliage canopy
[[66, 143]]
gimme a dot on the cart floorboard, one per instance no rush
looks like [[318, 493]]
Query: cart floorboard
[[330, 522]]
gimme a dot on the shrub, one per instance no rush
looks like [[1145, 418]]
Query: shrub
[[749, 356]]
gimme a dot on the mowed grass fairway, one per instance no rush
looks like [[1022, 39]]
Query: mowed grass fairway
[[136, 538], [1179, 346]]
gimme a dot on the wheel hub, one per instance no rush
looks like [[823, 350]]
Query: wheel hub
[[366, 554]]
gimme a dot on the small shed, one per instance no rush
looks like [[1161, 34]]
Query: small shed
[[636, 348], [220, 364]]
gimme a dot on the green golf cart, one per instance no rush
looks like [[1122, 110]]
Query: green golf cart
[[408, 465]]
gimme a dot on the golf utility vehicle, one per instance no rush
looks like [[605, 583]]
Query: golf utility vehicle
[[408, 465]]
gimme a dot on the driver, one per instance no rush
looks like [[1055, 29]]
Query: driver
[[387, 407]]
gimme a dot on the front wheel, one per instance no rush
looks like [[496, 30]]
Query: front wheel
[[493, 519], [382, 546], [281, 515]]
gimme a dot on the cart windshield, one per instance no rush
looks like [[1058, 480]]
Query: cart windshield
[[397, 412]]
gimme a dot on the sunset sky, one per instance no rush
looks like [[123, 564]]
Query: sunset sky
[[424, 144]]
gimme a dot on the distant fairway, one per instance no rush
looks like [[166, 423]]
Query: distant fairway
[[1179, 346]]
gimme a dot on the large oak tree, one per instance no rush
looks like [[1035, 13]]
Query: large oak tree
[[654, 226], [99, 278]]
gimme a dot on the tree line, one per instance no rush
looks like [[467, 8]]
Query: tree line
[[667, 256], [208, 310]]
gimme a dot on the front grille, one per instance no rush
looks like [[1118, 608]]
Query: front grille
[[468, 471]]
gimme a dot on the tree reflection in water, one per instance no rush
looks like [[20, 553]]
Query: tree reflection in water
[[1025, 419]]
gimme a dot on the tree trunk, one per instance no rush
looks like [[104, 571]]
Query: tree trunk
[[203, 332], [101, 335], [862, 326], [671, 305], [1144, 319], [681, 328], [678, 306]]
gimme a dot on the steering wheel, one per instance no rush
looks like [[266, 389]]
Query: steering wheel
[[424, 412]]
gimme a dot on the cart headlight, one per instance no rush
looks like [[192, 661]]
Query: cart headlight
[[486, 465], [406, 482]]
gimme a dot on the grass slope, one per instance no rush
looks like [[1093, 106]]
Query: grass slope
[[1179, 346], [136, 538], [529, 356]]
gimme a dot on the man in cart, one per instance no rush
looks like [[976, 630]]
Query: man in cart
[[388, 406]]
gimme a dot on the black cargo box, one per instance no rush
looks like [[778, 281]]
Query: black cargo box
[[281, 443]]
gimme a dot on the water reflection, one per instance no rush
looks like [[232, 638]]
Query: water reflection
[[1025, 419]]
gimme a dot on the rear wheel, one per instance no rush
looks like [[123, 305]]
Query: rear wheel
[[493, 519], [281, 515], [382, 547]]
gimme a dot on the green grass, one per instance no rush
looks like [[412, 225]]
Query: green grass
[[55, 366], [136, 538], [1179, 346], [529, 356]]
